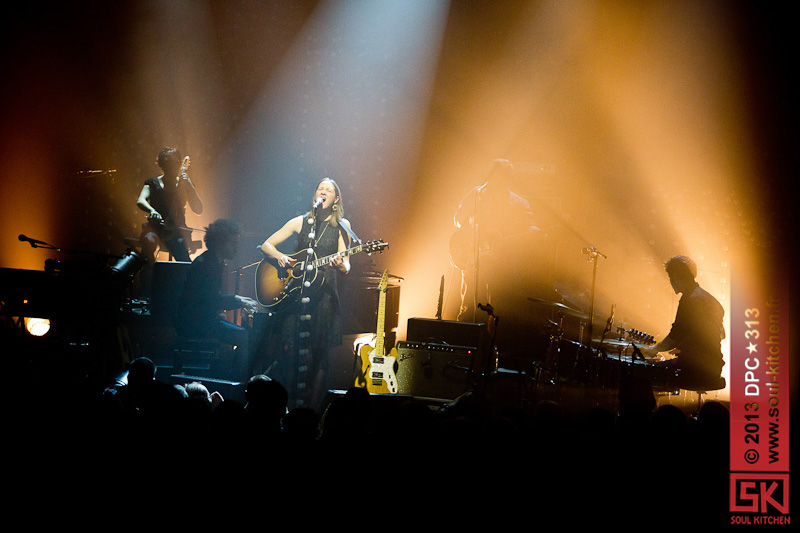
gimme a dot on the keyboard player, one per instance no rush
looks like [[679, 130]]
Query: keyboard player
[[697, 332], [203, 300]]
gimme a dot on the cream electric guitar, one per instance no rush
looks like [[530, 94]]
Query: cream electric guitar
[[378, 372]]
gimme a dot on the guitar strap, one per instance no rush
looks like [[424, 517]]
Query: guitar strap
[[353, 237]]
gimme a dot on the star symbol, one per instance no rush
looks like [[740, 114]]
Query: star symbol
[[752, 348]]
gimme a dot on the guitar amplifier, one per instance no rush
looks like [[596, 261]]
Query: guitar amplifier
[[434, 370], [434, 331]]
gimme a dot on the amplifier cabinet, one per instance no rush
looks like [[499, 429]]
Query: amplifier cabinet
[[435, 331], [434, 370]]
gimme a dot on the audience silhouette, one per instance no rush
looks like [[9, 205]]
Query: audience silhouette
[[602, 456]]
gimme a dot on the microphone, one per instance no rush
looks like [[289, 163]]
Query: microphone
[[33, 242], [318, 202], [590, 250]]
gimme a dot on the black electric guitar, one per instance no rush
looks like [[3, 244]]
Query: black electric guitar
[[378, 372], [276, 286]]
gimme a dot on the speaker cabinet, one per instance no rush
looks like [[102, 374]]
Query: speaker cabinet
[[169, 277], [434, 370], [434, 331]]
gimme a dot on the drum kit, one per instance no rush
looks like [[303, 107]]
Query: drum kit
[[602, 361]]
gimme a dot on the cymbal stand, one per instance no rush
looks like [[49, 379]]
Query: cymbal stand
[[555, 332]]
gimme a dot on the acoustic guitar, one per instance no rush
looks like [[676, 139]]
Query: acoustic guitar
[[277, 287]]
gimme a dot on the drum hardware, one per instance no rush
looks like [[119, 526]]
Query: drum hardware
[[636, 335], [560, 308], [554, 329]]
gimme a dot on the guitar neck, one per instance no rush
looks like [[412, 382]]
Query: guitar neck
[[322, 261], [381, 320]]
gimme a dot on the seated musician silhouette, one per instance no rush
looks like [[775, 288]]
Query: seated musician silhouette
[[697, 332], [203, 299]]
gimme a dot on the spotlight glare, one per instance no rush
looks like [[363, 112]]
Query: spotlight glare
[[38, 327]]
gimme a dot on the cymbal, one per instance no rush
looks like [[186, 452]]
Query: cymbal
[[559, 307], [377, 276], [612, 342]]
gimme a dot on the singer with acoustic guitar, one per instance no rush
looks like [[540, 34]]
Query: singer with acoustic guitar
[[310, 325]]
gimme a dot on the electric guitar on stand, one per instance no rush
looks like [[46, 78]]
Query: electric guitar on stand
[[378, 372]]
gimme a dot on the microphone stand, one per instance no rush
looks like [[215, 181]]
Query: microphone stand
[[126, 265], [121, 272], [238, 272], [41, 244], [593, 255], [303, 350]]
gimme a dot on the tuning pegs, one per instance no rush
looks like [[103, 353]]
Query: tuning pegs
[[641, 336]]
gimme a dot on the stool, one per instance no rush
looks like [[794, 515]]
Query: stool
[[719, 384]]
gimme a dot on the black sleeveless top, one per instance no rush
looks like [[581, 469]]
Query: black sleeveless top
[[326, 242], [169, 201]]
